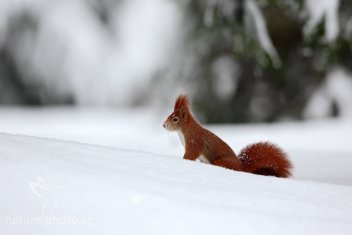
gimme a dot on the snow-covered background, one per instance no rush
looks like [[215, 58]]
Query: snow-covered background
[[123, 53], [66, 49]]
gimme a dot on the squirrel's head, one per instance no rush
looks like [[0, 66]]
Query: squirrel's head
[[179, 116]]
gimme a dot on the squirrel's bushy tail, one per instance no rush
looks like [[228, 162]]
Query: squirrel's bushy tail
[[265, 159]]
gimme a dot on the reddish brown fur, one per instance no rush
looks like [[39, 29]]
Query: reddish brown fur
[[182, 101], [260, 158], [266, 159]]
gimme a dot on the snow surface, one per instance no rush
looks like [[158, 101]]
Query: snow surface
[[139, 184], [325, 143]]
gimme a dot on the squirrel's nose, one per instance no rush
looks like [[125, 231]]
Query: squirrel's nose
[[164, 125]]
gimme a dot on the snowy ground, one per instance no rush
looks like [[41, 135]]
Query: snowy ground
[[140, 184]]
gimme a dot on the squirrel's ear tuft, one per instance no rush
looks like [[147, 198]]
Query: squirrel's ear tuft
[[182, 101]]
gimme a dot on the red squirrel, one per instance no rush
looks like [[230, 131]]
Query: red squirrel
[[261, 158]]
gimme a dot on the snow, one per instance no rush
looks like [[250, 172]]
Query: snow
[[336, 88], [307, 143], [262, 32], [115, 190], [130, 179], [71, 53], [226, 71], [326, 10]]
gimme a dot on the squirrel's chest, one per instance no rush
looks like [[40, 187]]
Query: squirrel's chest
[[182, 138], [190, 140], [201, 157]]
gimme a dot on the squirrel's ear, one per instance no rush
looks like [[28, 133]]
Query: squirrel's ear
[[183, 112], [182, 101]]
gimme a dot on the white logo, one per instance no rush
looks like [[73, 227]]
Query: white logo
[[50, 194]]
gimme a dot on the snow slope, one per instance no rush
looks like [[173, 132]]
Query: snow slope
[[132, 192], [320, 150]]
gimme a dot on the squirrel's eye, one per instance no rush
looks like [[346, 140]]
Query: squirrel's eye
[[175, 120]]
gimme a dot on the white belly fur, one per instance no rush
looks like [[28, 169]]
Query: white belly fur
[[203, 159], [182, 138]]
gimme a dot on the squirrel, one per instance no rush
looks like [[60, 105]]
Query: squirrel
[[200, 144]]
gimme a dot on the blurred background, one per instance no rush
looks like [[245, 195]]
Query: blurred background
[[241, 61]]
